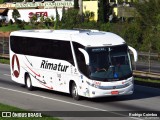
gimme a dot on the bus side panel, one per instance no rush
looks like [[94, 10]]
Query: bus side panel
[[49, 73], [15, 67]]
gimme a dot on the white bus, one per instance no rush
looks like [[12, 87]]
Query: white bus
[[87, 63]]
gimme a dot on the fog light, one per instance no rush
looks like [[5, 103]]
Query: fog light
[[93, 92]]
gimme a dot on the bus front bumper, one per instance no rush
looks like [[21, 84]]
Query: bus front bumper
[[95, 92]]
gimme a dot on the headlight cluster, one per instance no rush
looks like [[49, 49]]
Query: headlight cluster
[[93, 85], [121, 86]]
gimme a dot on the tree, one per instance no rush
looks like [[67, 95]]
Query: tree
[[1, 1], [15, 14], [103, 11], [149, 19], [57, 22], [88, 16], [33, 20], [47, 22], [71, 19], [63, 14], [76, 5]]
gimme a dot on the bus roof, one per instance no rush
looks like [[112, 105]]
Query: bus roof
[[88, 38]]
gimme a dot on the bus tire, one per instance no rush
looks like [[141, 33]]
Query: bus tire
[[74, 92], [28, 83]]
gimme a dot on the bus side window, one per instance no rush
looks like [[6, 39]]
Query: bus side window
[[55, 49], [80, 58], [61, 50]]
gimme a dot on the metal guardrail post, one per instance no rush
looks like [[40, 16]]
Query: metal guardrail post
[[149, 59], [146, 74]]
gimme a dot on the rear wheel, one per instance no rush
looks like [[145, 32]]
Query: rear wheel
[[74, 92], [28, 83]]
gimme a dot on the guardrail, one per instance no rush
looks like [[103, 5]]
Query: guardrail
[[149, 54], [5, 56], [135, 72], [146, 74]]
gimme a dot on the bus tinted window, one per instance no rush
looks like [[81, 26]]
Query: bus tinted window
[[80, 58], [55, 49]]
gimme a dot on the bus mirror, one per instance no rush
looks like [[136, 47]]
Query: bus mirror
[[85, 55], [134, 53]]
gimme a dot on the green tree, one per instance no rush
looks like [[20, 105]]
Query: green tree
[[47, 22], [63, 14], [76, 5], [71, 19], [33, 21], [57, 22], [15, 14], [42, 21], [104, 10], [133, 35], [1, 1], [149, 19]]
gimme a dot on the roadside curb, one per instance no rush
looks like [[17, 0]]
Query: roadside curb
[[149, 84]]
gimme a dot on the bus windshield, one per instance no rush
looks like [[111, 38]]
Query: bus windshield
[[109, 63]]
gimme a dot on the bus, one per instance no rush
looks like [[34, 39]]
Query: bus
[[88, 63]]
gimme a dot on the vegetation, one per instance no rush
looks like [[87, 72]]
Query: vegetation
[[141, 31], [7, 108], [76, 5], [16, 15], [4, 61], [102, 9], [149, 19], [148, 80], [13, 27]]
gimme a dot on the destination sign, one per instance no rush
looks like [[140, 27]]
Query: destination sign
[[99, 49], [61, 4]]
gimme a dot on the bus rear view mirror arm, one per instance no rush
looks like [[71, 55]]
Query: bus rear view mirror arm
[[85, 55], [134, 53]]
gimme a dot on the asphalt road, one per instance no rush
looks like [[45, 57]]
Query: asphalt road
[[143, 99]]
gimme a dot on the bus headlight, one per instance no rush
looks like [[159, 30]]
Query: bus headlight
[[93, 85]]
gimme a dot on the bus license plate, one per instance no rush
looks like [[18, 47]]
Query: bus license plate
[[114, 92]]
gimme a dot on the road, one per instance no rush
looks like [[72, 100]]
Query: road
[[143, 99]]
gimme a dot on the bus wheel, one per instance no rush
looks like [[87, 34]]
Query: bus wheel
[[74, 92], [28, 83]]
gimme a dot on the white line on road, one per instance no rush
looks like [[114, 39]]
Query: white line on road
[[4, 64], [44, 97], [6, 74]]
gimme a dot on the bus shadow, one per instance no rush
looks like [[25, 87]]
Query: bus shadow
[[139, 93]]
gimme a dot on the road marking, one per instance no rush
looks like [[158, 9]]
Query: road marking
[[6, 74], [44, 97], [4, 64]]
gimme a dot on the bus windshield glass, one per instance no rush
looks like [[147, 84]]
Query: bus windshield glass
[[109, 63]]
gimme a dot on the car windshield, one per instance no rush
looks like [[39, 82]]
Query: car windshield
[[109, 63]]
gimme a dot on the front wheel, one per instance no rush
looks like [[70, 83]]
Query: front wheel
[[74, 92], [28, 83]]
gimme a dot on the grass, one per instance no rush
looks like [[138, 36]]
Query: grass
[[4, 107], [9, 28], [7, 108], [147, 80], [4, 61], [13, 27]]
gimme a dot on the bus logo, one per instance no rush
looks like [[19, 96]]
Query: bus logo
[[15, 66]]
